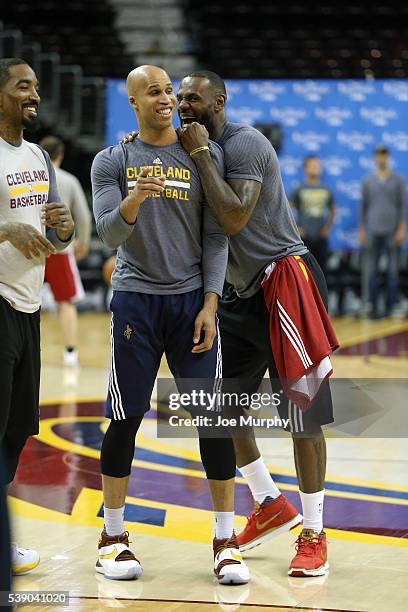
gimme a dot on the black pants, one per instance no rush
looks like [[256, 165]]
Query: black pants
[[318, 248], [5, 563], [19, 381]]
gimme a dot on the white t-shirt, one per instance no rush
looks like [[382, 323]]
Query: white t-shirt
[[27, 182]]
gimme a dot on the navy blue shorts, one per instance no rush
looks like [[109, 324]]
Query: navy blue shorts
[[143, 327]]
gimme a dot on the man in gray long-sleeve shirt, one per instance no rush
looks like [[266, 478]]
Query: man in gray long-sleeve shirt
[[170, 267], [382, 228]]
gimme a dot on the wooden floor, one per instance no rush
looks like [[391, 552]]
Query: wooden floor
[[56, 499]]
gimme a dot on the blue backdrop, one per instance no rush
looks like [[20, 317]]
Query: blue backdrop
[[341, 121]]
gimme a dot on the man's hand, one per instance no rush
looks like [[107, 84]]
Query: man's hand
[[400, 235], [58, 216], [205, 321], [325, 231], [192, 136], [362, 236], [129, 137], [27, 239], [80, 250], [148, 185]]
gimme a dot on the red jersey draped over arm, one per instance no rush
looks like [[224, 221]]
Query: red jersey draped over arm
[[301, 334]]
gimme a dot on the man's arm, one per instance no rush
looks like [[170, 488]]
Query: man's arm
[[55, 215], [325, 231], [114, 216], [81, 213], [401, 228], [232, 202], [363, 215], [214, 265]]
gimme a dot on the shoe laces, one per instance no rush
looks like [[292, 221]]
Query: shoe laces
[[306, 546], [227, 543], [257, 508], [122, 538]]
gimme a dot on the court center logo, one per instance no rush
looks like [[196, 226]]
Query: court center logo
[[288, 115], [356, 141], [333, 115], [310, 140], [378, 115]]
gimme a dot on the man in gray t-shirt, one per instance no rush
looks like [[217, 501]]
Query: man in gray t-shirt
[[382, 228], [148, 203], [252, 207]]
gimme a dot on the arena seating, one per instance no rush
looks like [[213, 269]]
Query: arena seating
[[301, 40]]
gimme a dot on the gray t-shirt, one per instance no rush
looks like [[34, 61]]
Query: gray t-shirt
[[313, 203], [271, 231], [383, 204], [176, 244]]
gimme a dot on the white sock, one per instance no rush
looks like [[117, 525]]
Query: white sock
[[312, 506], [114, 520], [224, 525], [259, 480]]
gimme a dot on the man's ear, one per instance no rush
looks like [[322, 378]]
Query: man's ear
[[133, 103], [219, 102]]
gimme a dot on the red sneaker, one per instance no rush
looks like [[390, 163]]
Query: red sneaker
[[311, 554], [272, 517]]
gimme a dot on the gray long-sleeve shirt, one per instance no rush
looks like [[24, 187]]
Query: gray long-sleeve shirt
[[176, 244], [383, 204]]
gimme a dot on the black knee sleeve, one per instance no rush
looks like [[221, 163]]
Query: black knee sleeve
[[218, 457], [12, 445], [118, 447]]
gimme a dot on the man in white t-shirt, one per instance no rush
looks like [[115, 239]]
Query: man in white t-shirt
[[33, 225], [61, 270]]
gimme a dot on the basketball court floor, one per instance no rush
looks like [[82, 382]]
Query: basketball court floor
[[56, 500]]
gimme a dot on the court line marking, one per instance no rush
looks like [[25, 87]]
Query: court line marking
[[48, 436], [159, 445], [212, 603], [178, 518], [367, 335]]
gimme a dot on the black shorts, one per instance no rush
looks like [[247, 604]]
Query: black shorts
[[247, 353], [19, 370]]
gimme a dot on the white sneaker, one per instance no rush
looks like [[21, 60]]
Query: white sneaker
[[115, 559], [23, 560], [70, 359], [229, 566]]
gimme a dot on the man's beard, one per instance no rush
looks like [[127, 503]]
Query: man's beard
[[207, 120], [32, 124]]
